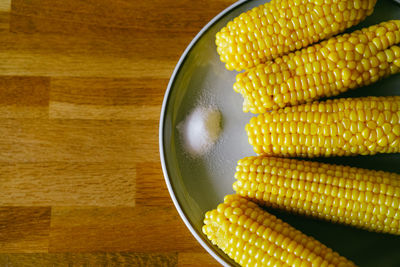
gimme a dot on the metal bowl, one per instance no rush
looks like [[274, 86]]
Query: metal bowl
[[197, 185]]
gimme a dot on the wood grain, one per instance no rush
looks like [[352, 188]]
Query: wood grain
[[24, 97], [139, 229], [24, 91], [81, 88], [99, 17], [106, 98], [77, 140], [24, 229], [151, 189], [121, 38], [188, 259], [5, 5], [4, 21], [49, 55], [67, 183], [88, 259]]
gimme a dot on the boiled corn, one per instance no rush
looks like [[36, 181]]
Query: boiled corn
[[362, 198], [253, 237], [327, 69], [339, 127], [280, 26]]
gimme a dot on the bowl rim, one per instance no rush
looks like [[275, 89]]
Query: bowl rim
[[184, 217]]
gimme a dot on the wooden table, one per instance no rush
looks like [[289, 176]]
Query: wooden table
[[81, 87]]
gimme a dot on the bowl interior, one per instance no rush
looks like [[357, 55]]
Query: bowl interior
[[199, 184]]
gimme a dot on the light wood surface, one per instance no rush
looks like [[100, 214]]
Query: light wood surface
[[81, 87]]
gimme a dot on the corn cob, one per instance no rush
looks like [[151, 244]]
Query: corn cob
[[339, 127], [362, 198], [326, 69], [280, 26], [253, 237]]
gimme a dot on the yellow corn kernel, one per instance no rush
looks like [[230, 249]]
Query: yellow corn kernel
[[253, 237], [350, 126], [276, 28], [351, 195], [326, 69]]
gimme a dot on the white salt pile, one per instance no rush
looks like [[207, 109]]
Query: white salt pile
[[200, 130]]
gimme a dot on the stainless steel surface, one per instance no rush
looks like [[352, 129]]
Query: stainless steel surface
[[198, 185]]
